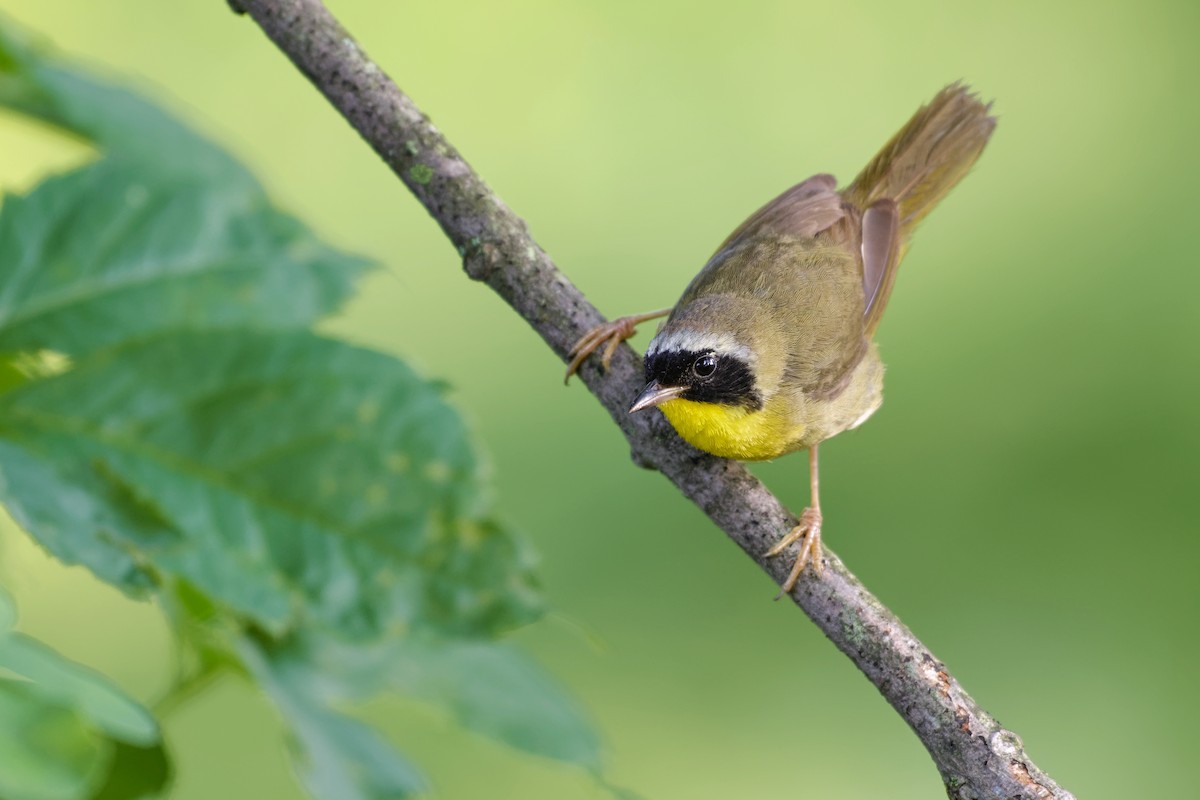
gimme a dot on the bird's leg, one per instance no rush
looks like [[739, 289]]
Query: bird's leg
[[809, 530], [613, 333]]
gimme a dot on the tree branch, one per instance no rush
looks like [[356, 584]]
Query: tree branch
[[976, 757]]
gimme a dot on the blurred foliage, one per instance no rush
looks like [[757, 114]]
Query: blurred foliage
[[285, 495], [1025, 499], [66, 732]]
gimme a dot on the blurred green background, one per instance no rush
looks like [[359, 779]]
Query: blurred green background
[[1026, 500]]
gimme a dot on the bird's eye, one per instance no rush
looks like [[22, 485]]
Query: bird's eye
[[704, 366]]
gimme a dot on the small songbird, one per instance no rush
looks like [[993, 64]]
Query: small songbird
[[770, 349]]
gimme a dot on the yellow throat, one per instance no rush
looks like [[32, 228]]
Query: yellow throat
[[733, 431]]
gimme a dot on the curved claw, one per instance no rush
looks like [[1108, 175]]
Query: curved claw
[[809, 530], [609, 334], [612, 333]]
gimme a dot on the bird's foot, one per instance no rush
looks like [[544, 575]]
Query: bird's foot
[[809, 530], [613, 333]]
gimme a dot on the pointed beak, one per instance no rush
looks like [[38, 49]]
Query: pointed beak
[[654, 394]]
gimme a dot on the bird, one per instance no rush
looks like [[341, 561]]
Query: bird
[[771, 347]]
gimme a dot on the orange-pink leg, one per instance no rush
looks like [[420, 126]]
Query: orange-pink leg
[[809, 530]]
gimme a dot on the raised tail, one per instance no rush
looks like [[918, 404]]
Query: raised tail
[[926, 158]]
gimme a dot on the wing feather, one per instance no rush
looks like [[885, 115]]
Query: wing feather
[[804, 210], [880, 252]]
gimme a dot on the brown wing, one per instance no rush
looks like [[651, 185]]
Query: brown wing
[[880, 255], [913, 171], [804, 210]]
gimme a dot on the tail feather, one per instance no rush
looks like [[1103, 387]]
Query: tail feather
[[927, 157]]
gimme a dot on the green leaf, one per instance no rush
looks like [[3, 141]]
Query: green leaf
[[275, 487], [135, 773], [339, 758], [118, 250], [8, 614], [490, 688], [33, 81], [287, 476], [66, 732], [46, 751], [20, 367], [75, 514], [76, 687], [497, 691]]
